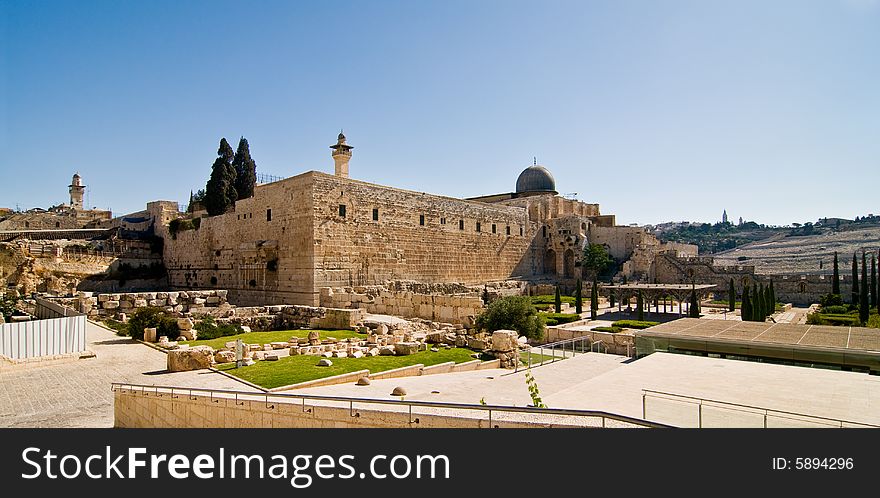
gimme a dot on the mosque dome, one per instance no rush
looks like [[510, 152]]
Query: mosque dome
[[535, 179]]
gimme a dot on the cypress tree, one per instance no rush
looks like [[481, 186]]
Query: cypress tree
[[610, 297], [640, 304], [245, 170], [558, 301], [731, 295], [220, 189], [835, 278], [746, 307], [578, 298], [768, 304], [864, 307], [772, 298], [594, 300], [854, 293], [873, 281], [758, 303], [694, 311]]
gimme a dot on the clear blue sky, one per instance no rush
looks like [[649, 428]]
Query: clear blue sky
[[657, 110]]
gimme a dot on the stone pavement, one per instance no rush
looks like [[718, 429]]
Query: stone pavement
[[76, 393]]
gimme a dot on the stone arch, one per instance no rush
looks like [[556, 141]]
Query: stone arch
[[550, 262], [568, 263], [802, 287]]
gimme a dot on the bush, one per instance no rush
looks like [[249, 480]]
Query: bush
[[120, 328], [209, 329], [835, 310], [633, 324], [607, 329], [155, 318], [551, 299], [512, 313], [830, 319], [830, 300], [180, 224], [560, 318]]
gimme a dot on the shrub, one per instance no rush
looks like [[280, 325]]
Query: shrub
[[152, 317], [835, 310], [633, 324], [829, 319], [607, 329], [180, 224], [512, 313], [120, 328], [560, 318], [830, 300], [209, 329]]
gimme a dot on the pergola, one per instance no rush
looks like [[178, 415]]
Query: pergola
[[652, 292]]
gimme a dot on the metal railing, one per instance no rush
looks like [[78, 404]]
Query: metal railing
[[271, 399], [536, 356], [757, 410]]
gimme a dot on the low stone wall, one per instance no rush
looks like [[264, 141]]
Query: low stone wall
[[111, 305], [622, 343], [459, 308], [149, 410], [326, 381]]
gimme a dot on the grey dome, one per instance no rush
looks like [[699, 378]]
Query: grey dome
[[535, 179]]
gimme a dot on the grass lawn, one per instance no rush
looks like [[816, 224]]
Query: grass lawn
[[738, 304], [296, 369], [273, 336], [537, 358]]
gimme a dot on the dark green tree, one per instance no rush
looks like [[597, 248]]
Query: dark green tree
[[220, 193], [640, 306], [578, 298], [757, 311], [694, 311], [835, 277], [245, 170], [854, 293], [594, 300], [864, 306], [772, 298], [595, 260], [558, 301], [512, 313], [611, 301], [746, 307], [768, 306], [731, 296], [873, 281]]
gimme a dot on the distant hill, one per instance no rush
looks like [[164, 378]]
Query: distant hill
[[803, 249]]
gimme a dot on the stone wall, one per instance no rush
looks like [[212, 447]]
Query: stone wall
[[110, 305], [452, 308], [199, 410]]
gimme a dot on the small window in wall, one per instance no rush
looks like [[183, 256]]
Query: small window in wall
[[478, 226], [461, 224], [27, 224], [442, 221], [342, 210], [520, 231], [544, 232], [213, 280], [493, 228], [508, 229], [57, 224], [269, 214], [421, 219], [375, 214]]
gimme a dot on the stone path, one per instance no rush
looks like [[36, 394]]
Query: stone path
[[76, 393]]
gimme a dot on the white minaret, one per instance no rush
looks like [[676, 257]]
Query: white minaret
[[76, 192], [341, 155]]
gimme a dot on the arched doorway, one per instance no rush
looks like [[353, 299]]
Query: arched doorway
[[550, 262], [568, 263]]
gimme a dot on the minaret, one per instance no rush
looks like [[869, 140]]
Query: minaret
[[341, 155], [724, 217], [76, 192]]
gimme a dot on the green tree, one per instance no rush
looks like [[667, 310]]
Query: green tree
[[873, 281], [578, 297], [640, 306], [835, 277], [595, 260], [694, 311], [768, 307], [245, 170], [731, 297], [757, 304], [220, 193], [512, 313], [594, 300], [772, 298], [864, 307], [854, 293], [557, 303], [7, 304], [746, 307]]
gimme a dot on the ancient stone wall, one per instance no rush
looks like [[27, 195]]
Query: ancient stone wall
[[367, 234], [456, 308], [110, 305]]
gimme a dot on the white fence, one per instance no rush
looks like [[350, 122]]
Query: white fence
[[35, 338]]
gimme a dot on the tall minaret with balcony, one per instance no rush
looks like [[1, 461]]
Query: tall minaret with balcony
[[76, 192], [341, 155]]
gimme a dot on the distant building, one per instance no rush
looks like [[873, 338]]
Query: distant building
[[724, 217], [62, 216]]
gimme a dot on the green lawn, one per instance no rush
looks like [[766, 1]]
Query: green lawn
[[537, 358], [273, 336], [296, 369], [738, 304]]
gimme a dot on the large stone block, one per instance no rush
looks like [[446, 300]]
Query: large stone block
[[182, 360], [504, 340], [406, 348], [150, 334]]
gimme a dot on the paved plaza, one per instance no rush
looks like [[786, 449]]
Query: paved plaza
[[76, 393]]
